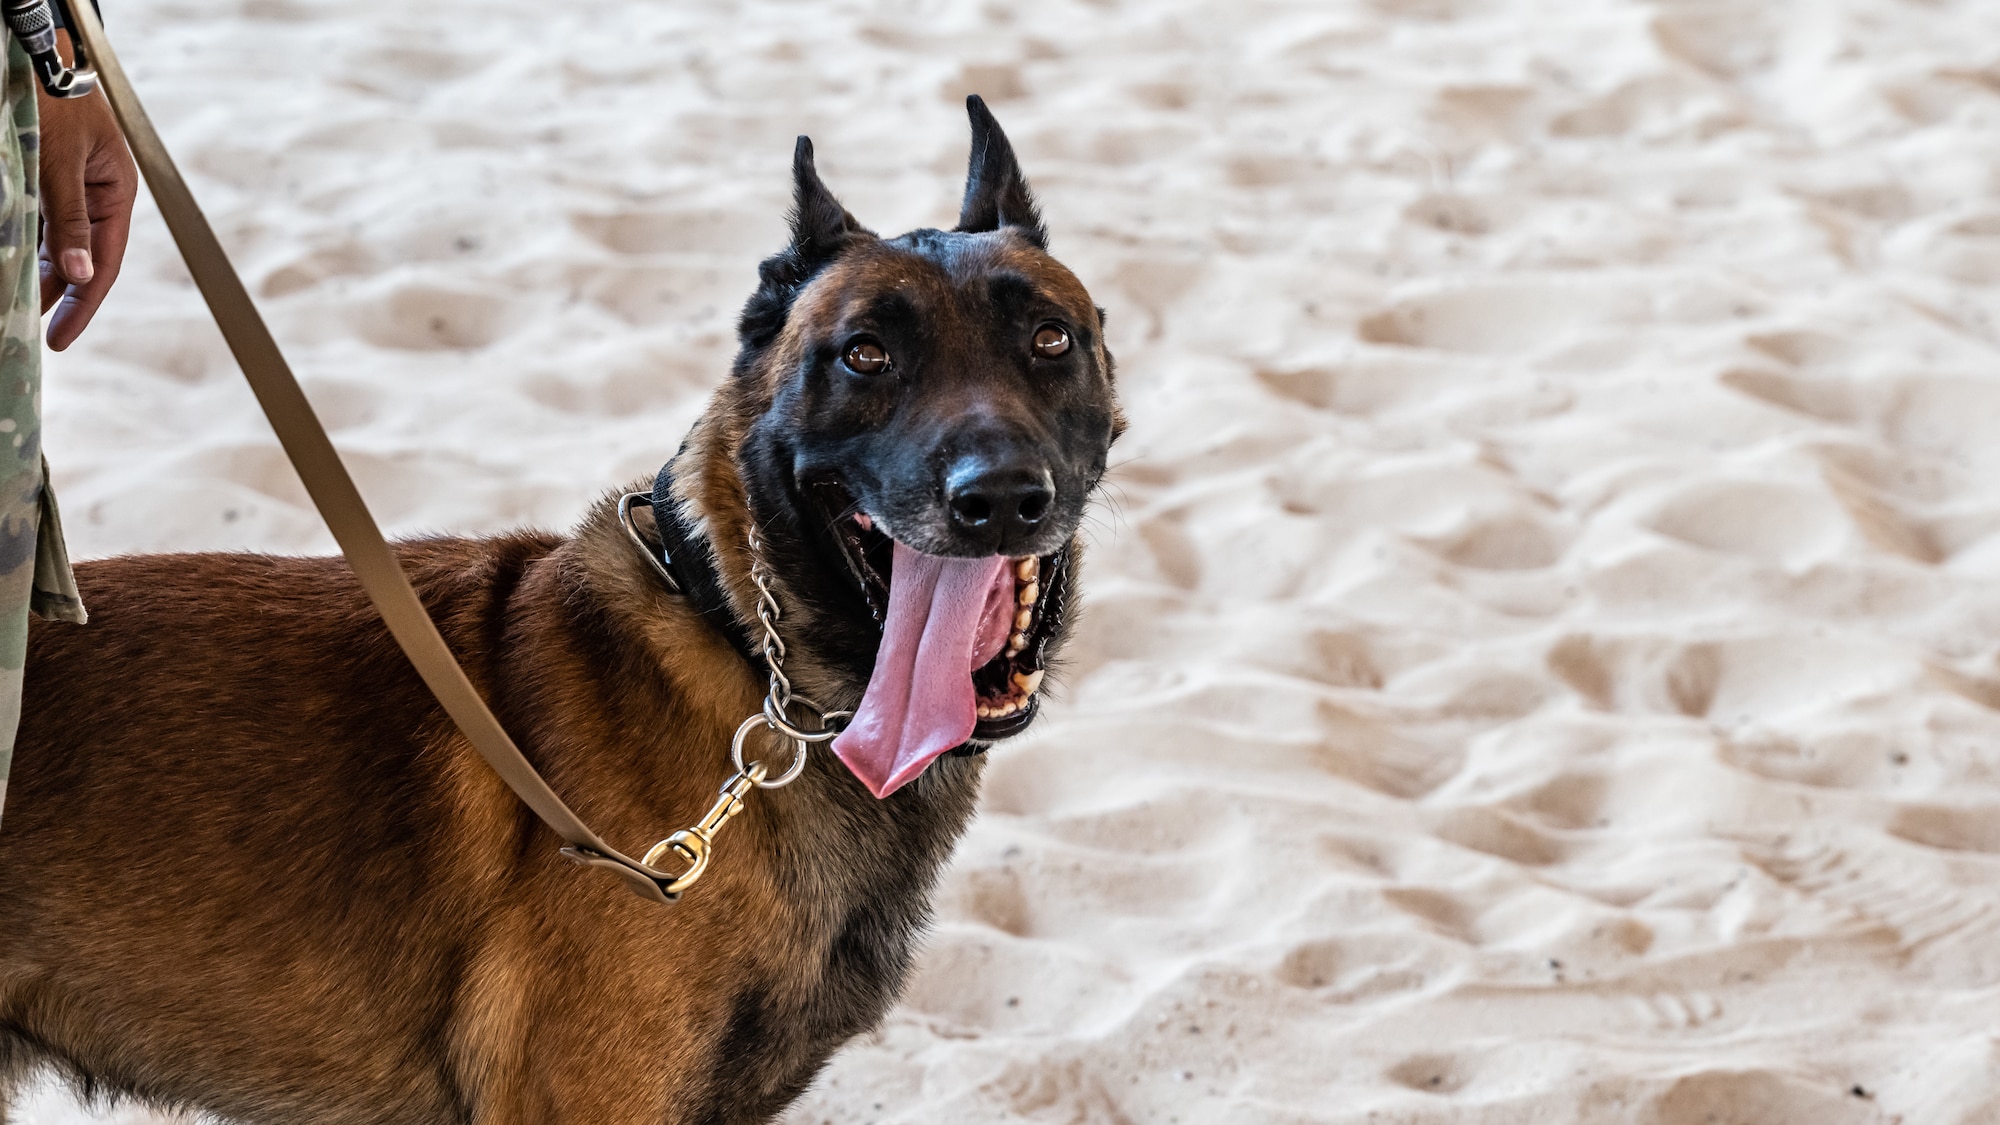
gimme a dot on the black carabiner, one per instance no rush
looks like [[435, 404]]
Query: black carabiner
[[34, 25]]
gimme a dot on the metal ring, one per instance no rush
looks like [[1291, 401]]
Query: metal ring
[[801, 742], [827, 732], [791, 773]]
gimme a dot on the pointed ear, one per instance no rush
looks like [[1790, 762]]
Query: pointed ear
[[821, 228], [820, 225], [996, 194]]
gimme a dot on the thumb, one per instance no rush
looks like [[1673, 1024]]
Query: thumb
[[66, 219]]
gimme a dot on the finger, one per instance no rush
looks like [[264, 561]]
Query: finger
[[80, 303], [112, 185], [66, 220], [52, 282]]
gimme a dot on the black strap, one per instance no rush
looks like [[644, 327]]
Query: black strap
[[693, 563]]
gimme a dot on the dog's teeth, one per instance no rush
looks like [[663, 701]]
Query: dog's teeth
[[862, 519], [1028, 594], [985, 712], [1023, 619], [1026, 569], [1017, 643], [1027, 682]]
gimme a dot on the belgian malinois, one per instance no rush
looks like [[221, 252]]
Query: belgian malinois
[[249, 868]]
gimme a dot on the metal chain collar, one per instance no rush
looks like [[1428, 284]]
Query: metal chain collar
[[692, 845]]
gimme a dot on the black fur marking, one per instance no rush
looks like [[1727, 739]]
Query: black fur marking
[[821, 229], [893, 313], [733, 1092], [1012, 296], [996, 193]]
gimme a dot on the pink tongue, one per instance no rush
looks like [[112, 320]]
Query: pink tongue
[[947, 617]]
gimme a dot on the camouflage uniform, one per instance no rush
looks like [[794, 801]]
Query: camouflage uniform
[[34, 567]]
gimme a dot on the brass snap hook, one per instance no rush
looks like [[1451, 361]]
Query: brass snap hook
[[33, 25], [692, 845]]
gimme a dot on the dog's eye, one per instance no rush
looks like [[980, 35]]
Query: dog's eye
[[866, 357], [1051, 341]]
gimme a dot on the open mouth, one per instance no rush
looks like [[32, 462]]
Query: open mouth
[[1006, 686]]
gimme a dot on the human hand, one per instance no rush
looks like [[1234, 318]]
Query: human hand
[[88, 185]]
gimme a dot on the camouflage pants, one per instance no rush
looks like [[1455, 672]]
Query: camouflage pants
[[34, 565]]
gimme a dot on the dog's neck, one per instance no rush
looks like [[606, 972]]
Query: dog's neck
[[705, 507]]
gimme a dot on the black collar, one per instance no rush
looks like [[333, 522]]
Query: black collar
[[692, 563]]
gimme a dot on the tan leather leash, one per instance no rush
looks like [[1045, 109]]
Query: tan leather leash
[[326, 479]]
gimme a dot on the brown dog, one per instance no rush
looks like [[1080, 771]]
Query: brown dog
[[249, 867]]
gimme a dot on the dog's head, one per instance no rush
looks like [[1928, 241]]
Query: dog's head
[[918, 423]]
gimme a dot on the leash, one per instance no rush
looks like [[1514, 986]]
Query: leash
[[381, 576]]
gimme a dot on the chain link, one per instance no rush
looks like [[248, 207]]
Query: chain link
[[779, 698], [778, 701], [692, 845]]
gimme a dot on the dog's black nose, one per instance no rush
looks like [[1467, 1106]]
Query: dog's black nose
[[998, 503]]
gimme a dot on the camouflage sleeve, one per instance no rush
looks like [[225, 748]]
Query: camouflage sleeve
[[34, 564]]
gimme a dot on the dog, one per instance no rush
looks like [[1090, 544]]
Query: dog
[[249, 868]]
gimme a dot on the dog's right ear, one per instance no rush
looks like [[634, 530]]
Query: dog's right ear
[[821, 228], [820, 225]]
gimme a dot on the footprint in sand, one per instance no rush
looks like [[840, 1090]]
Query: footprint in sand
[[1500, 318], [1431, 1074], [314, 267], [1498, 833], [1755, 1097], [431, 317], [1509, 541], [1912, 890], [1767, 521], [1800, 347], [1361, 968], [649, 294], [687, 231]]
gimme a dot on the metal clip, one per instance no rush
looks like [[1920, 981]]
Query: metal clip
[[34, 26], [658, 557], [692, 844]]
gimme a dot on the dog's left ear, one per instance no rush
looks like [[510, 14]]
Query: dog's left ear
[[996, 193]]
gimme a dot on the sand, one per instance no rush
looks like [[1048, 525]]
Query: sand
[[1543, 661]]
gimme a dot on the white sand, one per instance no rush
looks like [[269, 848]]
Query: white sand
[[1542, 664]]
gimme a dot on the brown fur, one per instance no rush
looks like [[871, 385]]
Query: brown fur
[[249, 867]]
